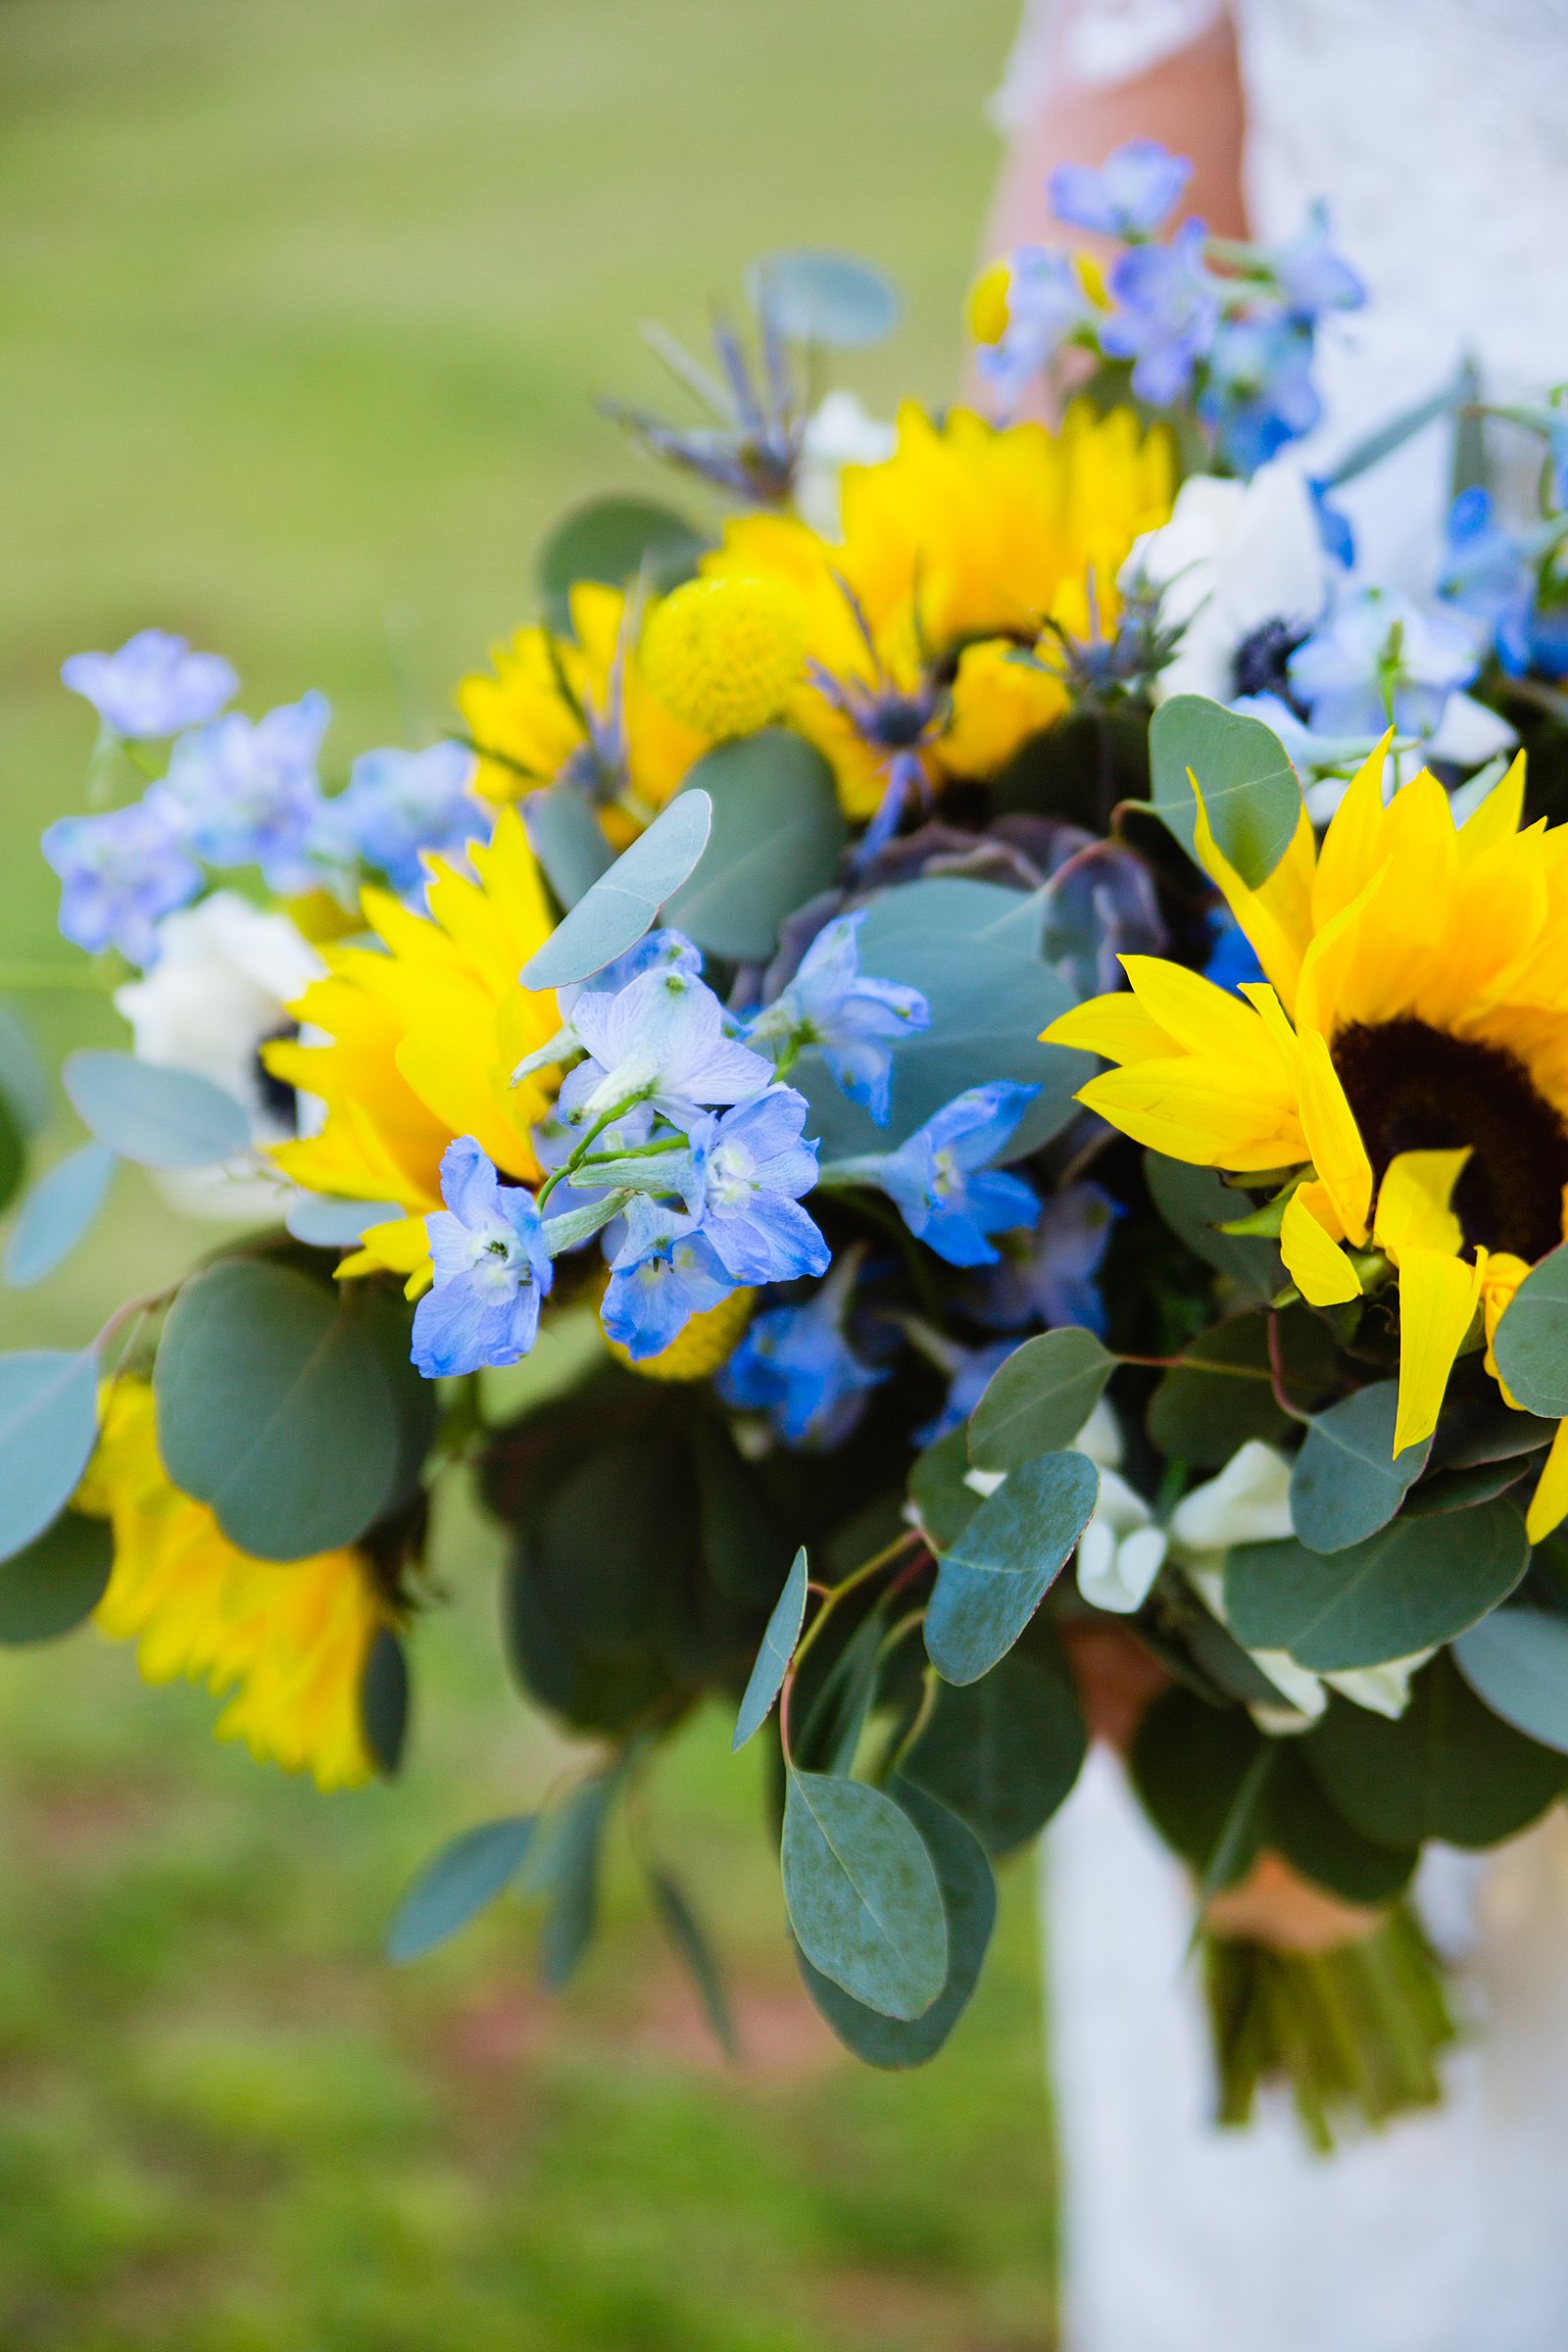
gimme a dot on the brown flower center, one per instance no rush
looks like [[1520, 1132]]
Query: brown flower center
[[1416, 1089]]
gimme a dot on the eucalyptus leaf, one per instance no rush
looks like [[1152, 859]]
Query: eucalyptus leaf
[[457, 1883], [162, 1119], [1517, 1661], [567, 839], [1531, 1343], [1038, 1399], [1192, 1765], [57, 1213], [13, 1154], [1314, 1836], [24, 1080], [1220, 1391], [994, 1578], [324, 1222], [690, 1939], [831, 299], [384, 1702], [1347, 1483], [1004, 1751], [777, 836], [940, 1490], [614, 914], [862, 1894], [1194, 1202], [48, 1421], [56, 1581], [614, 540], [1252, 800], [774, 1658], [570, 1873]]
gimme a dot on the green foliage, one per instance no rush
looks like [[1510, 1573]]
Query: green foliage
[[565, 1865], [56, 1581], [57, 1213], [615, 912], [991, 1580], [1416, 1583], [13, 1154], [1447, 1769], [48, 1421], [457, 1883], [1038, 1399], [1347, 1484], [1004, 1751], [24, 1080], [968, 1896], [1531, 1344], [862, 1894], [940, 1490], [1194, 1202], [831, 299], [384, 1701], [777, 836], [1220, 1394], [569, 841], [1517, 1661], [282, 1405], [162, 1119], [690, 1940], [1252, 800], [774, 1658], [616, 540], [1313, 1835]]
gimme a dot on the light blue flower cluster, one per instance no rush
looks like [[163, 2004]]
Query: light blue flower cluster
[[851, 1018], [1494, 577], [798, 1364], [941, 1179]]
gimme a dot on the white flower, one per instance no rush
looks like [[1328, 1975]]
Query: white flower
[[840, 431], [1249, 1502], [1121, 1550], [1233, 558]]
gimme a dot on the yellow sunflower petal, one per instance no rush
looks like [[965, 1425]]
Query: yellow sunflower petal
[[1413, 1211], [1315, 1263], [1498, 817], [1548, 1506], [1197, 1109], [1438, 1297], [1117, 1026], [1332, 1137], [1351, 848], [1197, 1014], [1277, 917]]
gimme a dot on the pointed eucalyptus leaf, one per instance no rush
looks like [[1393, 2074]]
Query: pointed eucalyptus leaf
[[565, 836], [1038, 1399], [24, 1080], [274, 1407], [1415, 1582], [994, 1578], [569, 1873], [1517, 1661], [1347, 1483], [57, 1213], [48, 1421], [832, 299], [612, 914], [56, 1581], [161, 1118], [692, 1942], [862, 1894], [1249, 790], [616, 541], [324, 1223], [1194, 1202], [384, 1702], [778, 835], [968, 1894], [457, 1883], [774, 1658], [830, 1735], [1531, 1344], [1004, 1751]]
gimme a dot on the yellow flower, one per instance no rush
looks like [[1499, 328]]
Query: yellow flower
[[956, 551], [724, 654], [289, 1638], [987, 304], [421, 1042], [1408, 1048], [576, 705]]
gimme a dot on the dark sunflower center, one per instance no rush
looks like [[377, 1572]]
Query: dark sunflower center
[[1415, 1089]]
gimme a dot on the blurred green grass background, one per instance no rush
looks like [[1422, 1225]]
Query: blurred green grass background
[[302, 306]]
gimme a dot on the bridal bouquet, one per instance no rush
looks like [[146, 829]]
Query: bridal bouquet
[[996, 1030]]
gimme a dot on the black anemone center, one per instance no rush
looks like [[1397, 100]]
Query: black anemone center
[[898, 722], [279, 1097], [1415, 1089], [1260, 662]]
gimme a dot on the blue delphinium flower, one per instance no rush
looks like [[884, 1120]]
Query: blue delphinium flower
[[939, 1180], [1485, 574], [247, 790], [1048, 1274], [660, 1038], [1046, 305], [1130, 194], [491, 1268], [665, 1271], [797, 1365], [748, 1169], [121, 871], [153, 687], [1378, 657], [402, 804], [1232, 956], [853, 1019], [1166, 314], [1313, 275], [1258, 392], [971, 1373]]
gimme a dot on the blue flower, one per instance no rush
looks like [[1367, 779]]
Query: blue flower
[[121, 872], [940, 1180], [664, 1272], [747, 1172], [851, 1018], [248, 793], [1129, 196], [1232, 956], [1312, 276], [1334, 525], [1168, 315], [1046, 305], [1380, 657], [797, 1365], [1047, 1275], [1258, 392], [1485, 574], [661, 1039], [971, 1373], [399, 807], [491, 1269], [154, 686]]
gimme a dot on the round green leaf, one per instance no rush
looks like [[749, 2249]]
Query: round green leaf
[[567, 839], [614, 914], [1249, 790], [777, 836], [274, 1407], [324, 1223], [57, 1581], [48, 1421], [457, 1883], [1038, 1399], [56, 1214], [1194, 1202], [162, 1119], [614, 540], [1517, 1661], [862, 1894], [772, 1659], [994, 1578], [1347, 1484], [1416, 1583], [832, 299], [940, 1490], [1531, 1344], [1300, 1823], [1191, 1764], [1219, 1393], [1004, 1751], [969, 1906]]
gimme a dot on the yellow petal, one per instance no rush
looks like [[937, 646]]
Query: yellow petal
[[1116, 1026], [1548, 1506], [1333, 1137], [1197, 1014], [1413, 1211], [1277, 917], [1351, 848], [1315, 1263], [1436, 1299], [1197, 1109], [1498, 814]]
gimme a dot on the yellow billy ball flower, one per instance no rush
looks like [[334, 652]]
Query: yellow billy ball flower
[[987, 307], [724, 654], [289, 1640], [707, 1340]]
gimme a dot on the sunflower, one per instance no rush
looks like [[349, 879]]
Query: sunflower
[[578, 709], [421, 1041], [1403, 1063], [956, 551], [289, 1638]]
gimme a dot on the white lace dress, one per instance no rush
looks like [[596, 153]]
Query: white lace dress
[[1439, 131]]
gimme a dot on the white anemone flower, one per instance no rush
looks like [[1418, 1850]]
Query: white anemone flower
[[840, 431]]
